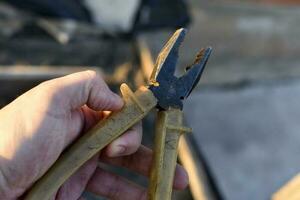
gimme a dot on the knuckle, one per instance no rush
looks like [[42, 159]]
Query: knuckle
[[101, 101], [98, 90], [90, 73], [134, 142], [94, 77]]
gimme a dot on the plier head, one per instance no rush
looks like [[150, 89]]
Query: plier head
[[167, 88]]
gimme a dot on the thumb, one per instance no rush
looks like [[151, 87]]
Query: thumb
[[78, 89]]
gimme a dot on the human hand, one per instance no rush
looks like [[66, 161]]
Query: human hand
[[40, 124]]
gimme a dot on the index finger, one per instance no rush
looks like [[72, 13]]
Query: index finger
[[141, 161]]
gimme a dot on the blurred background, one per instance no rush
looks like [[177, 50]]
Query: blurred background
[[244, 113]]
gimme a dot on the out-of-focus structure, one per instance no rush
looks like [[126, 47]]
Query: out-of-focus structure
[[40, 40], [245, 114]]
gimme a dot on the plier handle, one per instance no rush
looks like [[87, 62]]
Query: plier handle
[[169, 128], [166, 92]]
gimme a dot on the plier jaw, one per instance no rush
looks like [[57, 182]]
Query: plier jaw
[[167, 92], [167, 88]]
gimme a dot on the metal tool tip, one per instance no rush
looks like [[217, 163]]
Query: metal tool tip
[[168, 57], [181, 31], [179, 35], [202, 55], [194, 71], [209, 50]]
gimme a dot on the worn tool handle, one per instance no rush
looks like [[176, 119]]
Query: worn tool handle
[[169, 127], [137, 105]]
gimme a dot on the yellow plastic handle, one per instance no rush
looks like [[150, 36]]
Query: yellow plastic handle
[[137, 105], [169, 127]]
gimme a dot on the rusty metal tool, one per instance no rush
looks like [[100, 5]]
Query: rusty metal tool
[[171, 91], [166, 92]]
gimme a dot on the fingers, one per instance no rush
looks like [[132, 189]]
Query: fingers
[[126, 144], [91, 117], [141, 161], [112, 186], [138, 162], [75, 185], [75, 90], [181, 178]]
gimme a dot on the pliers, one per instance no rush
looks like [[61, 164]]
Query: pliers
[[165, 92]]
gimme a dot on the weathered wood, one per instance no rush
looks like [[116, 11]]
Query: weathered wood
[[31, 72], [290, 191], [137, 105], [45, 72], [145, 56], [200, 185]]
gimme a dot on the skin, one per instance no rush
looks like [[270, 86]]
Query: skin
[[40, 124]]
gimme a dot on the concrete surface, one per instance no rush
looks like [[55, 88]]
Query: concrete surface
[[250, 42], [245, 112], [249, 136]]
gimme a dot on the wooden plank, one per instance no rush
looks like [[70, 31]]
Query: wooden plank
[[199, 182], [290, 191], [40, 72]]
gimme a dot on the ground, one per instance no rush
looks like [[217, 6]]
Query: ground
[[245, 110], [247, 119]]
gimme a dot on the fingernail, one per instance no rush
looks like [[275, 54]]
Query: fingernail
[[182, 178], [118, 151], [186, 179]]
